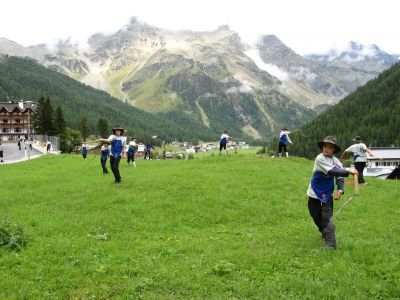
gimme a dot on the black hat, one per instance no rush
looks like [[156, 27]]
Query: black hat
[[118, 128], [331, 140], [357, 139]]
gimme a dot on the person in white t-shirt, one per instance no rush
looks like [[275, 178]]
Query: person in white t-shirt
[[360, 151], [132, 148], [223, 141]]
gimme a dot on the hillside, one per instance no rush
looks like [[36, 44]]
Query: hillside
[[372, 112], [214, 78], [24, 79], [209, 228]]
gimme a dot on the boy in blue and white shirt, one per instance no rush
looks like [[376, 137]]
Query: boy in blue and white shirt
[[148, 150], [223, 141], [117, 151], [132, 148], [360, 151], [322, 186], [104, 154], [284, 140], [84, 151]]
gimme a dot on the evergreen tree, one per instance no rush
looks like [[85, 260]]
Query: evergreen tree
[[43, 118], [48, 118], [60, 121], [84, 128], [102, 128], [38, 117]]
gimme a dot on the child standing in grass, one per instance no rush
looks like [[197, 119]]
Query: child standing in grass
[[131, 151], [84, 151], [360, 151], [104, 153], [322, 186], [223, 141], [117, 141], [284, 140], [148, 150]]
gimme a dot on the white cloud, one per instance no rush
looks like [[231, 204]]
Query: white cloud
[[271, 69], [305, 26]]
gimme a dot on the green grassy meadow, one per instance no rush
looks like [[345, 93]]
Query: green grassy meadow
[[214, 227]]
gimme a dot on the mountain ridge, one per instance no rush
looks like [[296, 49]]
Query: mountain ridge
[[213, 77]]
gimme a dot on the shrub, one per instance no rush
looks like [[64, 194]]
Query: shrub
[[12, 236], [262, 150], [190, 156], [223, 267]]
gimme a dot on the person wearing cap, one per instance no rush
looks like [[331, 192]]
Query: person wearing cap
[[223, 141], [284, 140], [321, 188], [360, 151], [104, 154], [117, 151], [132, 148]]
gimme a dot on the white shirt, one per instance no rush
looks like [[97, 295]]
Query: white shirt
[[360, 152]]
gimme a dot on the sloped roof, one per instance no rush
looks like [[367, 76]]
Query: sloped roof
[[385, 153], [12, 106]]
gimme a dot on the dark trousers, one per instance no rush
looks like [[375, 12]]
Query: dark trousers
[[131, 158], [282, 146], [322, 214], [360, 168], [84, 155], [114, 163], [103, 162], [147, 153]]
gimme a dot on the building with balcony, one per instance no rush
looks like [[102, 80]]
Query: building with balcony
[[16, 119]]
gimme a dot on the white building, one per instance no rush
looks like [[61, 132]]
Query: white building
[[386, 157], [385, 162]]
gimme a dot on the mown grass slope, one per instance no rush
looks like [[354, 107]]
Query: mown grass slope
[[213, 227]]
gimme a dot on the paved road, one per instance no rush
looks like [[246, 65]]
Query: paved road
[[11, 152]]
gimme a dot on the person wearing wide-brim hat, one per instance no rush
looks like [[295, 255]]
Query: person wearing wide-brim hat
[[117, 151], [118, 128], [321, 188], [359, 150]]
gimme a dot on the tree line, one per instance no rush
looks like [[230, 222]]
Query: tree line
[[83, 106], [372, 112]]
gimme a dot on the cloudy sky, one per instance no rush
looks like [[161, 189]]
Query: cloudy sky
[[307, 26]]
